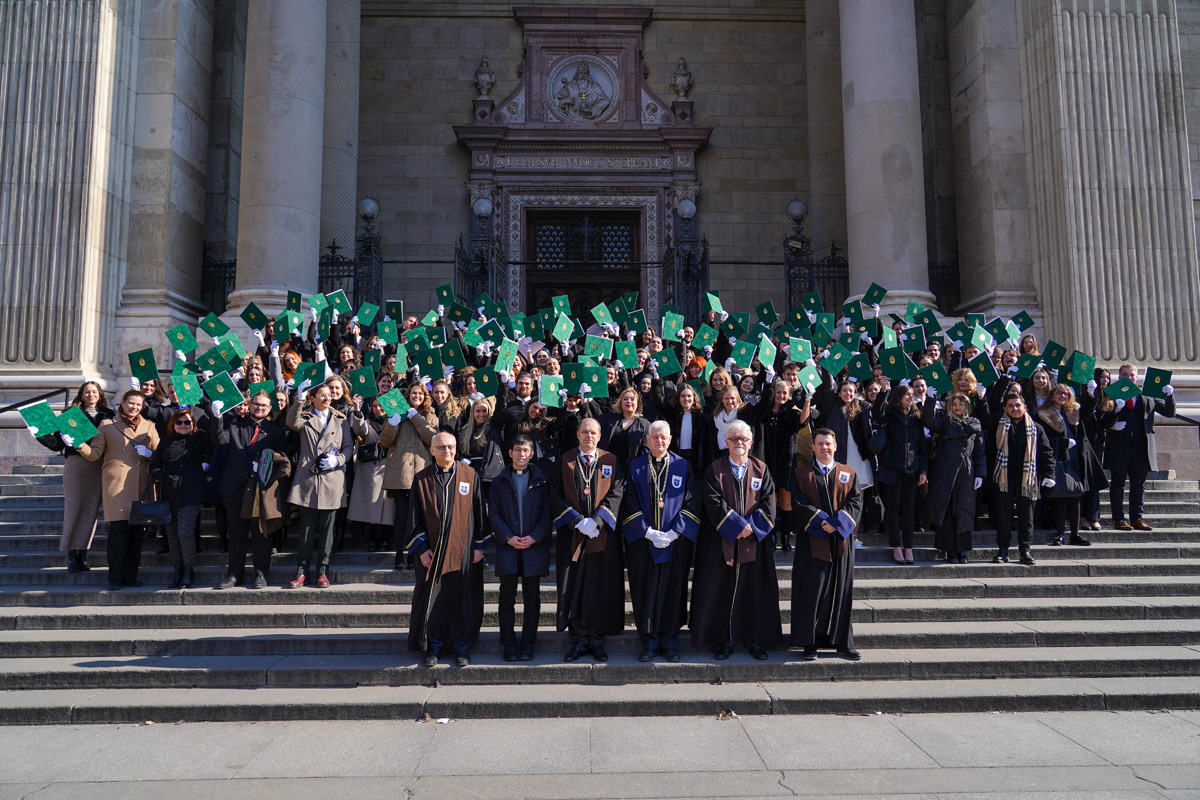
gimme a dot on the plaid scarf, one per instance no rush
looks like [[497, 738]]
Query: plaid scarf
[[1029, 481]]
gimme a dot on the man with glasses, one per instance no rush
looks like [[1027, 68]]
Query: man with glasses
[[447, 541], [519, 512], [659, 521], [588, 485], [248, 438], [735, 591]]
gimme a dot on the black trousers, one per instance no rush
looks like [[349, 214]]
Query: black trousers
[[1006, 504], [124, 551], [1135, 470], [1066, 512], [531, 593], [243, 535], [899, 509], [400, 523]]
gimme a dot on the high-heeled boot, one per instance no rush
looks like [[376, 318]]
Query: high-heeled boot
[[189, 575], [174, 584]]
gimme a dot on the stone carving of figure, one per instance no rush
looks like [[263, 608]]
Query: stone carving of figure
[[582, 98]]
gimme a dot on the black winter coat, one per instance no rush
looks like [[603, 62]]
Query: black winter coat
[[959, 457], [907, 449], [535, 522], [177, 465]]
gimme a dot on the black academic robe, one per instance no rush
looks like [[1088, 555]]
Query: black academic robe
[[735, 591], [823, 570], [446, 517], [590, 577], [658, 577]]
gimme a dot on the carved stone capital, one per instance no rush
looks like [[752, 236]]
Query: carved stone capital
[[684, 191], [480, 191]]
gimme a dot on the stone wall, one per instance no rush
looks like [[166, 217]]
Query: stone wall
[[748, 71], [225, 129]]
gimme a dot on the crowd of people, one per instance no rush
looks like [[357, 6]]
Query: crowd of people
[[682, 474]]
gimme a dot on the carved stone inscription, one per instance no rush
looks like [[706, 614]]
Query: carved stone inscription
[[538, 162]]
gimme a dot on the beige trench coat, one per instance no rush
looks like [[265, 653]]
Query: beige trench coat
[[123, 473], [325, 490], [408, 450]]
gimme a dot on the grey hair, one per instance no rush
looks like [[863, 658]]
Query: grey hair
[[660, 426], [738, 426]]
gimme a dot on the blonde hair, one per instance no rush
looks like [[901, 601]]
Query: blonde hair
[[1071, 406]]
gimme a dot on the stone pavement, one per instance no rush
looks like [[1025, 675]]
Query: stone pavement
[[1024, 756]]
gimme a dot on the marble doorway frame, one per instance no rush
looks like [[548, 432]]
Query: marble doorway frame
[[651, 203]]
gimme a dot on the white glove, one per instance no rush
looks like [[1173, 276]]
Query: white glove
[[302, 390], [958, 344], [502, 376], [866, 337], [588, 527], [708, 351], [980, 390], [274, 347], [728, 364], [395, 419], [33, 431], [215, 339], [143, 451], [135, 384], [630, 336], [179, 356], [258, 335], [931, 391], [770, 373], [481, 349], [978, 484], [412, 412], [732, 341], [526, 340], [328, 461], [562, 393], [904, 337], [845, 321], [386, 318], [1168, 390], [585, 389], [1118, 426], [441, 309], [1013, 371], [653, 366], [1048, 483], [852, 379], [904, 382], [354, 319], [335, 316], [312, 312], [724, 316], [448, 371], [875, 308], [68, 439], [238, 374], [511, 383], [462, 326], [217, 406], [204, 466], [479, 310], [1117, 406], [1092, 386], [1070, 443], [812, 318]]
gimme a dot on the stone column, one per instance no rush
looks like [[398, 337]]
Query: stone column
[[881, 118], [339, 167], [283, 125], [826, 160]]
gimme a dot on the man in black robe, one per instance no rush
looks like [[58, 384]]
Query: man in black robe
[[827, 503], [659, 520], [587, 486], [735, 591], [446, 541]]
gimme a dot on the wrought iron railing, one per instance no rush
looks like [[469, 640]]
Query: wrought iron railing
[[217, 280], [685, 275], [360, 277], [480, 269], [943, 282]]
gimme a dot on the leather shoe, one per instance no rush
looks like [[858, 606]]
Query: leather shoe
[[430, 660], [809, 653], [574, 654], [599, 654], [114, 587], [1122, 525], [462, 660], [1027, 558], [850, 654], [132, 584], [1079, 541], [526, 652], [260, 581], [1055, 541], [672, 655], [723, 652], [322, 581], [1000, 557], [510, 652], [297, 582], [646, 655], [228, 583], [1141, 526], [757, 651]]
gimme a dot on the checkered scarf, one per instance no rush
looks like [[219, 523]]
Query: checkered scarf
[[1029, 481]]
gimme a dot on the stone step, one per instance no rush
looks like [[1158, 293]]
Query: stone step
[[136, 616], [1022, 586], [397, 669], [868, 556], [32, 490], [84, 706], [1078, 567], [391, 638], [54, 467], [32, 480]]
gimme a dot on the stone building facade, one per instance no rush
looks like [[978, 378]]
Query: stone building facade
[[992, 155]]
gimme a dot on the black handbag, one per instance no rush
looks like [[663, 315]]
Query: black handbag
[[152, 512], [878, 441], [367, 453]]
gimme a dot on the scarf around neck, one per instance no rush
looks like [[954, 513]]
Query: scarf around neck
[[1029, 481]]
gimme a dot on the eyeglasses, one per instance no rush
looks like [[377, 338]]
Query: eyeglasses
[[187, 423], [737, 438], [442, 447]]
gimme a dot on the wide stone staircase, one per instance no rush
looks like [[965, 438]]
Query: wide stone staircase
[[1112, 626]]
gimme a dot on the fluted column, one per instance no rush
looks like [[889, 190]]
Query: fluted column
[[881, 119], [339, 172], [279, 218]]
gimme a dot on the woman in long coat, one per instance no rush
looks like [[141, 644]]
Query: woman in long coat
[[81, 481], [319, 482], [178, 466], [407, 441], [369, 502], [1061, 418], [123, 445], [957, 469]]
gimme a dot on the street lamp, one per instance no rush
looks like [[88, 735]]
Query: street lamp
[[797, 254]]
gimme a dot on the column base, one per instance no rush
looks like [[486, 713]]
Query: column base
[[145, 312], [271, 299]]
